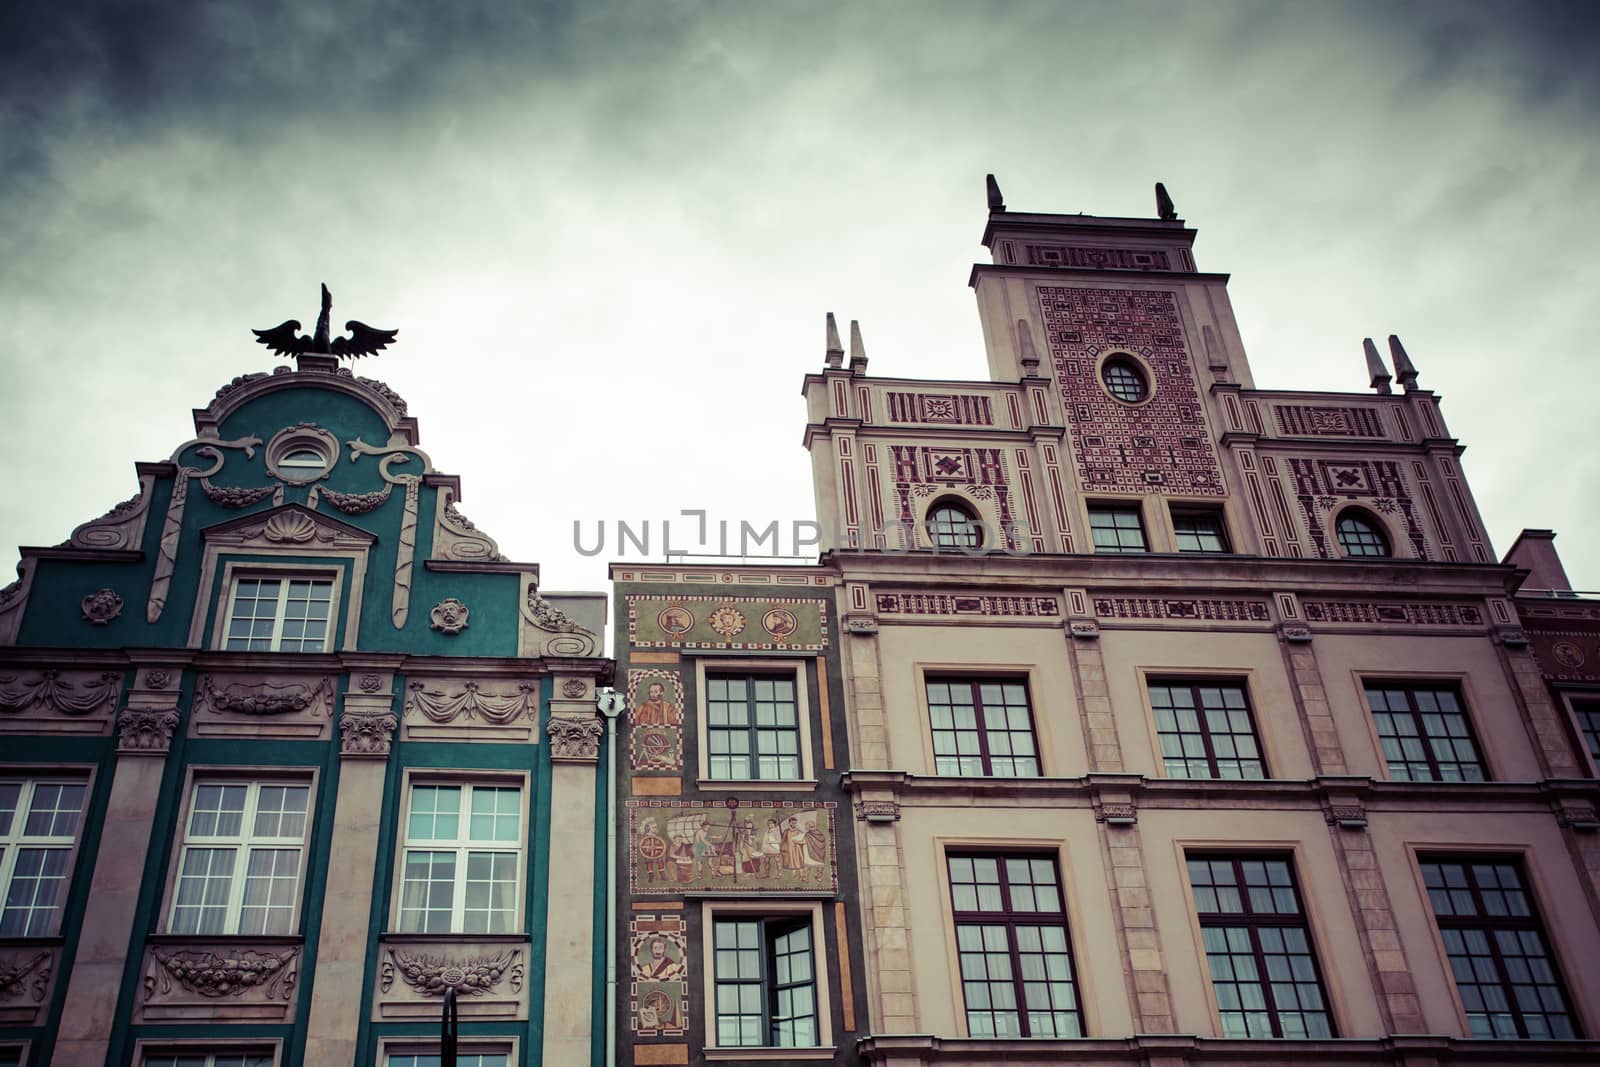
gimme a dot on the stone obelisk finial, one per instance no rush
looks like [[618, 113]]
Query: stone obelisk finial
[[996, 201], [834, 356], [1375, 367], [1405, 372]]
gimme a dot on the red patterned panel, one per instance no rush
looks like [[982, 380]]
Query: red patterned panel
[[1160, 446]]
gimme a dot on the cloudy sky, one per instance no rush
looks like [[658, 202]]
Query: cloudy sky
[[608, 232]]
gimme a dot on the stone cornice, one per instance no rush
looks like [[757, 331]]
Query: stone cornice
[[1152, 279], [82, 555], [916, 790], [1398, 1049], [1173, 573], [486, 566]]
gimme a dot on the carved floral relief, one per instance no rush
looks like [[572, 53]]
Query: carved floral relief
[[208, 981]]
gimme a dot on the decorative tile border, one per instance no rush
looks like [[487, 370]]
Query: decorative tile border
[[1181, 608], [985, 604], [1394, 613]]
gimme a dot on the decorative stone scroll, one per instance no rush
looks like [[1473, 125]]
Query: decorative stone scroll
[[555, 633], [449, 616], [207, 981], [406, 550], [732, 846], [489, 978], [25, 984], [454, 535], [123, 526], [574, 739], [659, 989], [366, 734], [146, 731], [172, 525]]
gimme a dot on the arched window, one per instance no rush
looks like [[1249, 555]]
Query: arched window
[[953, 525], [1361, 536], [1125, 380], [304, 463]]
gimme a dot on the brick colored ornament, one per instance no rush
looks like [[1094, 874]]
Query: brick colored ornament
[[1162, 445], [993, 605]]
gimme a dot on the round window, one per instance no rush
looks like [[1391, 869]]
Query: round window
[[302, 454], [1125, 380]]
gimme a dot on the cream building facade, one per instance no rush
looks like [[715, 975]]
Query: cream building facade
[[1191, 722]]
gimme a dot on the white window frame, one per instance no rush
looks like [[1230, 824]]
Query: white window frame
[[767, 909], [242, 843], [389, 1047], [462, 845], [146, 1050], [795, 667], [15, 840], [282, 575]]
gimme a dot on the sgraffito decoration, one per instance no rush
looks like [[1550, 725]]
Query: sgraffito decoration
[[1161, 445], [746, 623], [1411, 613], [925, 471], [1306, 420], [655, 721], [1322, 485], [996, 605], [731, 846], [659, 991], [1139, 607]]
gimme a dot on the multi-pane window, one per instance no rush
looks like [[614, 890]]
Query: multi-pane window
[[1124, 380], [1496, 944], [752, 727], [1205, 730], [982, 728], [1424, 733], [463, 1059], [1017, 977], [239, 868], [1117, 529], [1360, 536], [1587, 712], [951, 525], [38, 825], [460, 870], [202, 1059], [1199, 531], [1258, 947], [766, 982], [279, 615]]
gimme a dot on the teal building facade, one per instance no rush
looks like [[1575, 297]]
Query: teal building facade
[[288, 749]]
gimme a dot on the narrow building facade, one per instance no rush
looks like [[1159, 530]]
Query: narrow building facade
[[738, 936], [288, 749], [1191, 721]]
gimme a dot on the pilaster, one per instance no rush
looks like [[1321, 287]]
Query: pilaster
[[1122, 856], [145, 728], [1546, 726], [1094, 697], [574, 734], [1310, 696], [366, 730]]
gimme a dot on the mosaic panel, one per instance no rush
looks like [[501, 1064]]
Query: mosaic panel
[[950, 409], [1394, 612], [731, 846], [655, 721], [732, 622], [1320, 485], [1309, 420], [1159, 446], [1167, 608], [946, 604], [1097, 258], [659, 990]]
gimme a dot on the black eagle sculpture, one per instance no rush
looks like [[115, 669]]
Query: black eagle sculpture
[[286, 339]]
